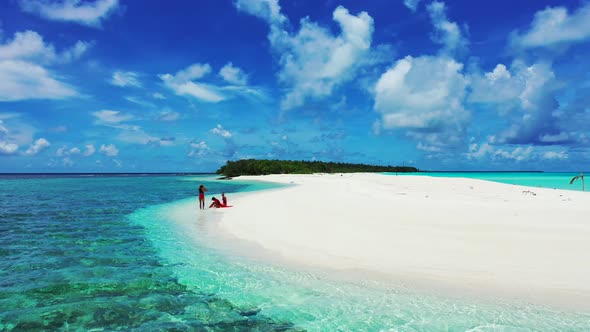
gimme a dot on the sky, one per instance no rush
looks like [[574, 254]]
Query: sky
[[184, 86]]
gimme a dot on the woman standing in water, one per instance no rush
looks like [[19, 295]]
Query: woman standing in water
[[202, 190]]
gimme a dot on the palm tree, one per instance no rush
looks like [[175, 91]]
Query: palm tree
[[581, 176]]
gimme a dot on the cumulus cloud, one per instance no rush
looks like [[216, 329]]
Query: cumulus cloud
[[37, 146], [111, 117], [219, 130], [268, 10], [412, 4], [65, 151], [7, 147], [555, 26], [109, 150], [526, 95], [75, 52], [183, 83], [125, 78], [486, 150], [446, 33], [424, 96], [27, 45], [22, 71], [556, 155], [313, 61], [90, 150], [233, 75], [30, 46], [198, 149], [82, 12]]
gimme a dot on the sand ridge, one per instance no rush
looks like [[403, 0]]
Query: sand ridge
[[462, 234]]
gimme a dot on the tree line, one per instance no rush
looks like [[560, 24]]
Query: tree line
[[266, 166]]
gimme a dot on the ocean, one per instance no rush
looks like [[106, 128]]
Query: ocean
[[552, 180], [106, 252]]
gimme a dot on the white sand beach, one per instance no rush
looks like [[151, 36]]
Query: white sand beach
[[461, 236]]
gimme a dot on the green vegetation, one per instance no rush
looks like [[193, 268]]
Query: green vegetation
[[264, 167]]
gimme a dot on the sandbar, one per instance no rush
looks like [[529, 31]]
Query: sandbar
[[459, 235]]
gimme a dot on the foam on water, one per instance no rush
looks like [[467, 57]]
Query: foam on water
[[314, 300]]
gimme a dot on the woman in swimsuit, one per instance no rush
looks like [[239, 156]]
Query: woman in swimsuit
[[202, 190], [216, 203]]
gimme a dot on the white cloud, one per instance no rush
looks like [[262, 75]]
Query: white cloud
[[497, 86], [90, 150], [554, 26], [558, 138], [313, 61], [412, 4], [158, 95], [167, 141], [23, 80], [557, 155], [487, 150], [221, 132], [193, 72], [233, 75], [24, 77], [183, 84], [198, 149], [136, 135], [517, 154], [65, 152], [127, 133], [109, 150], [67, 161], [111, 117], [125, 78], [268, 10], [30, 46], [75, 52], [7, 148], [27, 45], [62, 151], [446, 32], [59, 129], [526, 94], [13, 131], [140, 101], [82, 12], [169, 116], [424, 96], [37, 146]]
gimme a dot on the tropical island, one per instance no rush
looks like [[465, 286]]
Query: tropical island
[[266, 167]]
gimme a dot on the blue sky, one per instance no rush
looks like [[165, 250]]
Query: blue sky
[[138, 86]]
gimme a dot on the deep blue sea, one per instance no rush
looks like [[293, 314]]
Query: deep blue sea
[[104, 253]]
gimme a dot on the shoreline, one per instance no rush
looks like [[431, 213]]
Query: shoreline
[[457, 236]]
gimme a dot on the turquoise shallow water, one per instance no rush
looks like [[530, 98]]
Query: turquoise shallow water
[[531, 179], [130, 253]]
